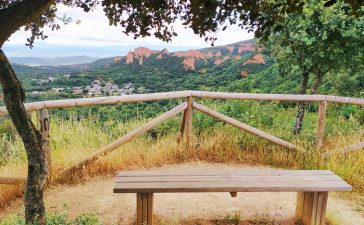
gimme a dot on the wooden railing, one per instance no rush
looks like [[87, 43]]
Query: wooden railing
[[186, 124]]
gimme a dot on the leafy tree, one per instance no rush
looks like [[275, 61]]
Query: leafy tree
[[141, 18], [319, 41]]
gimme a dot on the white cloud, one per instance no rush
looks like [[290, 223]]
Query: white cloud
[[94, 30]]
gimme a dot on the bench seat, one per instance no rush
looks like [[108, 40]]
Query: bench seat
[[312, 187]]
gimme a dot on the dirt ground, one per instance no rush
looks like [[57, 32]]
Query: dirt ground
[[96, 196]]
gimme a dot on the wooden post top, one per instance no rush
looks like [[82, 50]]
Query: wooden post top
[[236, 180]]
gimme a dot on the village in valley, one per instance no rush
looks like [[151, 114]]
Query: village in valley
[[97, 87]]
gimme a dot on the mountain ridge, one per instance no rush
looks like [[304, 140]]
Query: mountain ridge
[[53, 61], [192, 59], [237, 67]]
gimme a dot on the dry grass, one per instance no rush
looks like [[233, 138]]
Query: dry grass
[[74, 140], [234, 219], [9, 193]]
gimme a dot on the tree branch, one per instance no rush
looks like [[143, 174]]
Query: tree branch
[[25, 11]]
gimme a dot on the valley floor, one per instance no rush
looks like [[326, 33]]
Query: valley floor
[[96, 196]]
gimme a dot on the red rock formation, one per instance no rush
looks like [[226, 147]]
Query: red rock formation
[[237, 57], [257, 59], [218, 54], [230, 48], [139, 53], [163, 53], [189, 63], [191, 54], [223, 59], [129, 58], [142, 51], [208, 55], [190, 57], [246, 47], [244, 73]]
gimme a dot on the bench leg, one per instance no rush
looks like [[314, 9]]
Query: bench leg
[[311, 207], [145, 209]]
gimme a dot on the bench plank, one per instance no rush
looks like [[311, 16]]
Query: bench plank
[[169, 187], [237, 180], [224, 172], [227, 178]]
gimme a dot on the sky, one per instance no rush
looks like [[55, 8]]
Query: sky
[[94, 37]]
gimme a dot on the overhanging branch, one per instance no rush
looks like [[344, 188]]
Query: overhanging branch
[[25, 11]]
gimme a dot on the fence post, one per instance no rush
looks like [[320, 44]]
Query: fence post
[[321, 124], [188, 127], [44, 128], [182, 128]]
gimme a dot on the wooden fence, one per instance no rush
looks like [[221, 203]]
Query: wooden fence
[[186, 124]]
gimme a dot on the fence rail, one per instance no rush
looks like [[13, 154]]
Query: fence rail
[[78, 102], [186, 124]]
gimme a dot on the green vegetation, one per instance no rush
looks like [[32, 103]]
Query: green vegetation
[[61, 218], [228, 220], [318, 41]]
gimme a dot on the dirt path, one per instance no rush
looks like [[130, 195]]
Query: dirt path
[[97, 196]]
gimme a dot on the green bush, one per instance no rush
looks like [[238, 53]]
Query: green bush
[[361, 117], [348, 111], [61, 218]]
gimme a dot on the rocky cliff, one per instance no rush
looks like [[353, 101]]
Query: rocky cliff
[[189, 59]]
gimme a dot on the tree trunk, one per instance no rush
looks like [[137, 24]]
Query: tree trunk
[[37, 166], [301, 106], [13, 17], [316, 85]]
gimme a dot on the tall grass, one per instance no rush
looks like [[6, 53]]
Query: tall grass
[[74, 139]]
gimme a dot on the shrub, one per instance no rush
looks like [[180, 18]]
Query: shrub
[[61, 218]]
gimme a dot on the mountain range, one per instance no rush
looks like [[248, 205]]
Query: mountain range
[[243, 53], [35, 61], [239, 67], [245, 56]]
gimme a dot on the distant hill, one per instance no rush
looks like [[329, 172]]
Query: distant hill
[[236, 67], [34, 61], [215, 68], [244, 53]]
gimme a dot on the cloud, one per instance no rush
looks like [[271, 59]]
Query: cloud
[[94, 31]]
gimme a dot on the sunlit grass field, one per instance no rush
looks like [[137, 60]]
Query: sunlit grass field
[[76, 138]]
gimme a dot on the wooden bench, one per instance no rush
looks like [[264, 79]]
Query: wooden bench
[[312, 187]]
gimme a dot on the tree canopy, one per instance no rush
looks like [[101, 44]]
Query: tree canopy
[[320, 40], [155, 17]]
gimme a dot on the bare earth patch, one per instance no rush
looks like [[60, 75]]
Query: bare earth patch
[[96, 195]]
